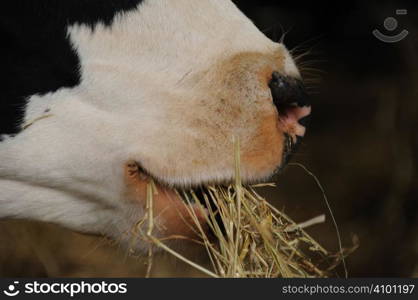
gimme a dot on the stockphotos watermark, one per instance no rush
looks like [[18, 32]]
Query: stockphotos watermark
[[391, 24], [64, 288]]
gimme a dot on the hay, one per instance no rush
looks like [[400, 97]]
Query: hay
[[256, 240]]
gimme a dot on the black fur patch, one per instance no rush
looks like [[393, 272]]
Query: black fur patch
[[36, 56]]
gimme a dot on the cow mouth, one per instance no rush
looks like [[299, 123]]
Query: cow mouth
[[293, 107], [189, 194], [293, 121]]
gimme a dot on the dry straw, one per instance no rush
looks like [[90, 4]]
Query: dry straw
[[256, 240]]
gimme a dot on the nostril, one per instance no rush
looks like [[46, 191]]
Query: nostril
[[286, 90]]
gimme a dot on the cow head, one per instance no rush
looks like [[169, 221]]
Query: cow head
[[164, 91]]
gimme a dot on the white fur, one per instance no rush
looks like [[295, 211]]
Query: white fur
[[148, 81]]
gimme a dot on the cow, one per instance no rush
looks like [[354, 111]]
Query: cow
[[99, 98]]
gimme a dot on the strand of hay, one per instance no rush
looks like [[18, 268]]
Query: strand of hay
[[256, 239], [337, 230]]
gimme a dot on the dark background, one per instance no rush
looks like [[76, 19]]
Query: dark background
[[362, 145]]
